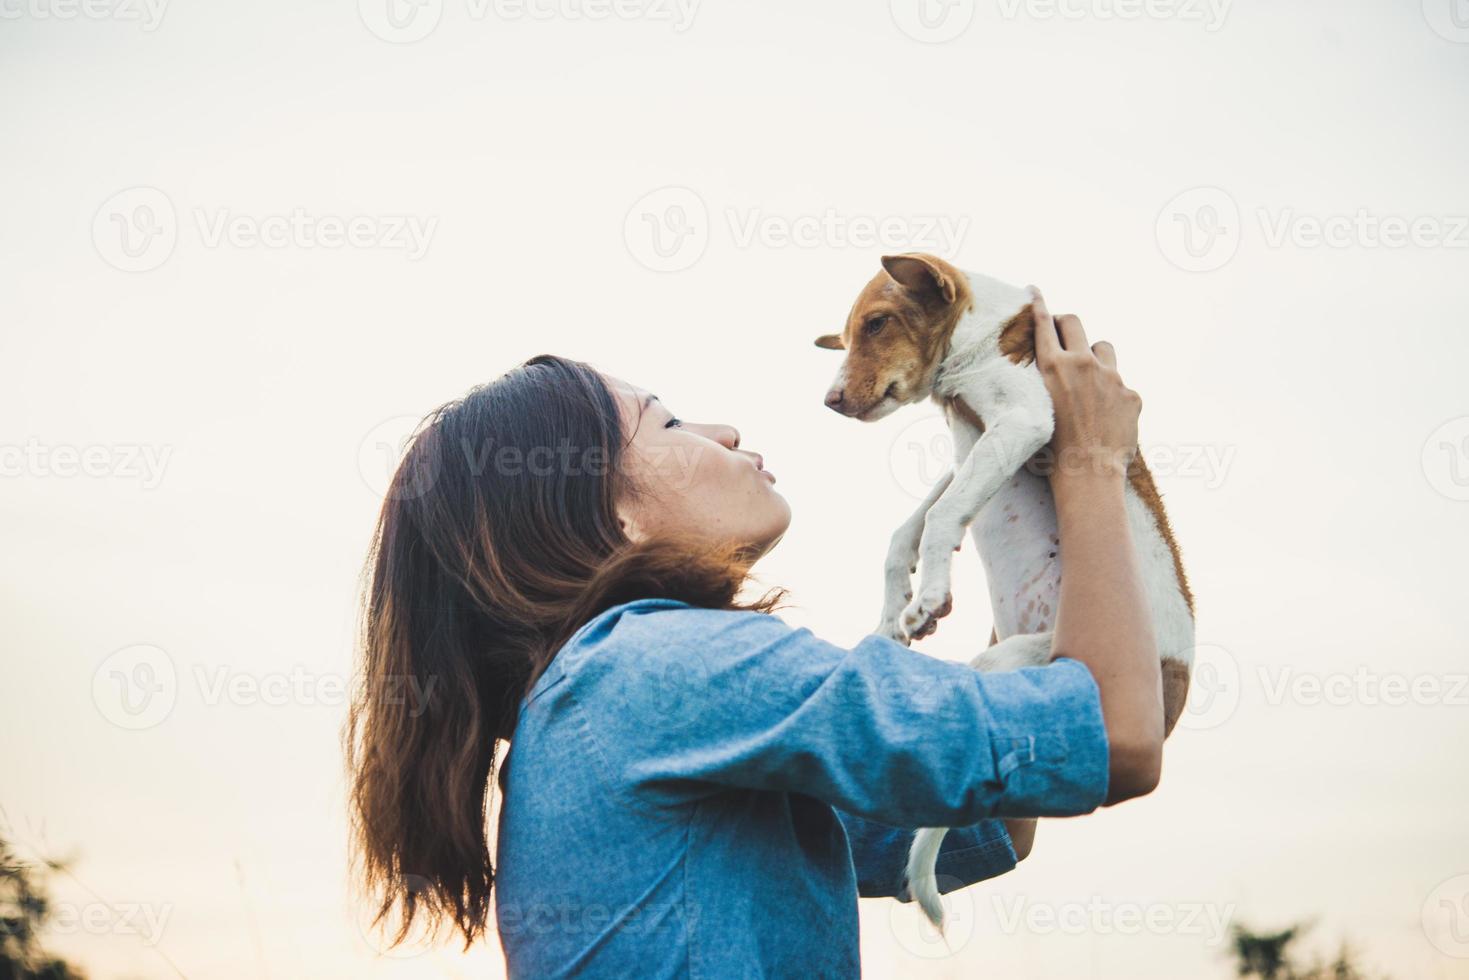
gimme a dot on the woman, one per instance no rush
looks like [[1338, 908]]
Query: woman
[[692, 787]]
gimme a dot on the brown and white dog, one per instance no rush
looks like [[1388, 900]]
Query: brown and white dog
[[923, 329]]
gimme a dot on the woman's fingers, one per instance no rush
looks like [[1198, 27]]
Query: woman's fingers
[[1073, 338], [1047, 344], [1064, 332]]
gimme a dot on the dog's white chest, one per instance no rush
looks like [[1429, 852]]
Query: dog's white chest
[[1017, 539]]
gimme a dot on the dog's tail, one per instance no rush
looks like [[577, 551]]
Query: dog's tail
[[923, 886]]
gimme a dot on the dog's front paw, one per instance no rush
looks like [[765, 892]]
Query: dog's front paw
[[891, 624], [897, 592], [922, 616], [892, 628]]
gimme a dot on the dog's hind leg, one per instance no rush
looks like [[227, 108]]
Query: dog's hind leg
[[1011, 653], [1014, 652]]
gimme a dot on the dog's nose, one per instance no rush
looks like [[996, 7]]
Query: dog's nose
[[834, 399]]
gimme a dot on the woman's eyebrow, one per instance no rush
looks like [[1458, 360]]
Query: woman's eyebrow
[[649, 400]]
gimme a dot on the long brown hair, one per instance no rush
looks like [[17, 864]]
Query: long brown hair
[[499, 537]]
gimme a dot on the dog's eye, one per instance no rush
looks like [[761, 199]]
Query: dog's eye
[[876, 324]]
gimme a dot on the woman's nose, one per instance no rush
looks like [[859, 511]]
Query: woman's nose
[[726, 435]]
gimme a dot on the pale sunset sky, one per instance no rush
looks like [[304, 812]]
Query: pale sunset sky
[[245, 245]]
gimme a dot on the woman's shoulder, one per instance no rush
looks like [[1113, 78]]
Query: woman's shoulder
[[646, 637]]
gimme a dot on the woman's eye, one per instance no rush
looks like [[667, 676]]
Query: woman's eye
[[876, 324], [674, 424]]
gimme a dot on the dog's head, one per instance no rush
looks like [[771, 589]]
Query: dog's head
[[896, 335]]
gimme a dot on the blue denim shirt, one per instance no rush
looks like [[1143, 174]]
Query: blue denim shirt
[[704, 793]]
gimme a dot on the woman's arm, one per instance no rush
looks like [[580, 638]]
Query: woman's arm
[[1022, 836], [676, 703], [1021, 830], [1103, 618]]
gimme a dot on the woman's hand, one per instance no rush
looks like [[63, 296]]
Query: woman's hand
[[1096, 414], [1103, 618]]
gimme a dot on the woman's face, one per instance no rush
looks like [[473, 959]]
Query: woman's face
[[692, 479]]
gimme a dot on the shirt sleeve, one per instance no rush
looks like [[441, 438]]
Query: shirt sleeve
[[968, 855], [679, 701]]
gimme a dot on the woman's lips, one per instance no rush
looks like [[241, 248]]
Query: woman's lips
[[760, 465]]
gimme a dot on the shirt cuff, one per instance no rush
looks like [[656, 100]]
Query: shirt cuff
[[1050, 744]]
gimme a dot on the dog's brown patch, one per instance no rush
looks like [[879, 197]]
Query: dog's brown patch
[[1175, 693], [1142, 483], [1017, 337], [960, 407]]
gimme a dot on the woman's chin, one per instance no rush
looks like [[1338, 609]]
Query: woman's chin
[[780, 522]]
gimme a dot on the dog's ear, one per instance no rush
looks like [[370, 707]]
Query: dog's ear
[[921, 273], [831, 341]]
